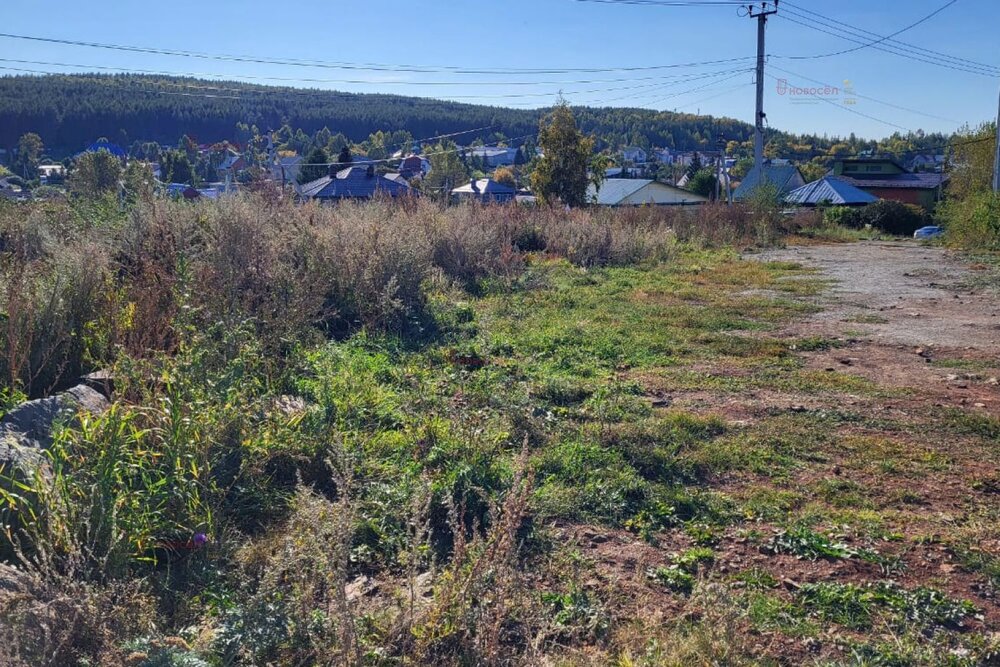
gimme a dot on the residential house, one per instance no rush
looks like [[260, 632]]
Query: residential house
[[47, 171], [231, 165], [933, 163], [640, 192], [829, 190], [663, 155], [286, 169], [485, 190], [785, 178], [634, 154], [182, 191], [354, 183], [414, 166], [887, 179], [493, 156]]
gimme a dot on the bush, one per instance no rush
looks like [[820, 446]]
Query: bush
[[885, 215], [973, 222]]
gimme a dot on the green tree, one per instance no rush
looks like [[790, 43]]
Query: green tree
[[344, 158], [315, 166], [741, 168], [695, 166], [176, 168], [447, 169], [971, 161], [561, 173], [813, 170], [96, 173], [29, 155], [138, 181], [703, 183], [599, 170]]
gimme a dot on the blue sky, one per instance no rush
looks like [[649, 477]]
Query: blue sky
[[552, 34]]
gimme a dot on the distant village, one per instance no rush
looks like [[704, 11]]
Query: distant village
[[632, 176]]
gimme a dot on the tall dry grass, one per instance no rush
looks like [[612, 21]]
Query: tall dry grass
[[80, 286]]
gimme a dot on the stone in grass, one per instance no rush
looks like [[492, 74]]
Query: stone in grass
[[26, 431]]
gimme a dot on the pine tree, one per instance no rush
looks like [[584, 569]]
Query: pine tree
[[344, 159], [314, 166], [561, 174]]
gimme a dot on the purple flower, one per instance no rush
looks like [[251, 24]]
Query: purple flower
[[199, 540]]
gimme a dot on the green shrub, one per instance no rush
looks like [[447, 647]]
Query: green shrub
[[885, 215], [972, 222]]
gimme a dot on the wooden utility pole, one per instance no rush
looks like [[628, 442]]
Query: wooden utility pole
[[766, 9]]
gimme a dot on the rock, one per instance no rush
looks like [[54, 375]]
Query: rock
[[359, 587], [992, 381], [289, 405], [34, 420], [26, 431]]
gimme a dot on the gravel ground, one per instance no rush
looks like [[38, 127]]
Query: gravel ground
[[901, 293]]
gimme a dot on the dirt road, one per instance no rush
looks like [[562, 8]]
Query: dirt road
[[909, 318], [902, 293]]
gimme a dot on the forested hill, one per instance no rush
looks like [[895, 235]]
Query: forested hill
[[70, 111]]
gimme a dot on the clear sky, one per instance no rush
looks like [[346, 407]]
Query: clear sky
[[555, 35]]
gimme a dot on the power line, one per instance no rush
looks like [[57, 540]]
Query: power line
[[257, 77], [851, 110], [872, 99], [376, 67], [799, 10], [880, 39], [672, 3], [221, 92], [910, 53]]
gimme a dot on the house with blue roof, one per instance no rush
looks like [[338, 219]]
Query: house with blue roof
[[829, 190], [355, 183], [105, 145], [484, 190], [783, 177]]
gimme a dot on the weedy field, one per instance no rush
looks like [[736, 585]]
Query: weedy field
[[477, 436]]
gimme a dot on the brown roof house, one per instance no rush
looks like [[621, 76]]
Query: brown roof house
[[887, 179]]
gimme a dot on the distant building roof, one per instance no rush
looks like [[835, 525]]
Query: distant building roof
[[485, 189], [920, 181], [354, 183], [829, 189], [105, 145], [785, 178], [487, 185], [639, 191]]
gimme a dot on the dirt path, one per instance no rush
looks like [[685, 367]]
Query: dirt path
[[900, 293], [907, 318]]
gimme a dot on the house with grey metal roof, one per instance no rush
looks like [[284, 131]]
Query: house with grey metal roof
[[785, 178], [354, 183], [640, 192], [829, 190], [484, 190]]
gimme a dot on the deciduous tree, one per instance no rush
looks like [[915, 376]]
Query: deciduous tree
[[96, 173]]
